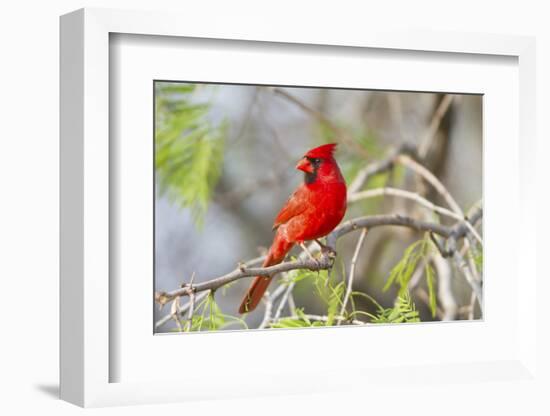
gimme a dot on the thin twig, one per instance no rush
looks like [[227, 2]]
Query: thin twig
[[474, 284], [373, 193], [470, 246], [291, 304], [267, 313], [189, 323], [247, 118], [445, 292], [286, 156], [427, 138], [175, 312], [324, 318], [283, 301], [430, 178], [444, 253], [398, 220], [460, 230], [474, 217], [162, 321], [279, 291], [378, 167], [341, 134], [191, 294], [349, 286]]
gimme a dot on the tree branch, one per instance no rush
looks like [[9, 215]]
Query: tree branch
[[324, 262], [372, 193]]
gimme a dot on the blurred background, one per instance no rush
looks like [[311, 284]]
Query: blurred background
[[225, 157]]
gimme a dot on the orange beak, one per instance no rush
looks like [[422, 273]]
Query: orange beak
[[304, 165]]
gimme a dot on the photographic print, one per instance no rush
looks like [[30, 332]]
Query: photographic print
[[296, 207]]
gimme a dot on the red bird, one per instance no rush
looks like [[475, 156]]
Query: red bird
[[312, 212]]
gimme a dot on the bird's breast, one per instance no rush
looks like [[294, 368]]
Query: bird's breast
[[326, 208]]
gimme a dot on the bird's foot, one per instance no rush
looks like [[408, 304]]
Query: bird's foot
[[311, 257], [329, 251]]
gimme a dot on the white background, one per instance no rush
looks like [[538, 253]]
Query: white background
[[29, 209]]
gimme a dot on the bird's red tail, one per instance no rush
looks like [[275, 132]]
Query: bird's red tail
[[276, 254]]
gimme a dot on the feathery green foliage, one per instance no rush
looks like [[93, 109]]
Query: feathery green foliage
[[188, 148], [403, 310], [300, 321], [478, 260], [402, 272], [329, 291], [209, 317], [476, 253], [430, 278]]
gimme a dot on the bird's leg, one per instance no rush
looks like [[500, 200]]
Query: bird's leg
[[326, 249], [331, 253], [320, 244], [301, 244]]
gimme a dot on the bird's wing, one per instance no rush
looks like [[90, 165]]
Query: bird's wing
[[295, 205]]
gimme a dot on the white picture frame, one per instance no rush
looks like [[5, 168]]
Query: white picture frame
[[87, 357]]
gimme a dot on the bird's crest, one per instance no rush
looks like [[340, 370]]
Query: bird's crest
[[324, 151]]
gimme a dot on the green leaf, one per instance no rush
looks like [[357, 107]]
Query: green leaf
[[230, 319], [290, 323], [403, 270], [211, 317], [302, 316], [478, 259], [329, 291], [431, 291], [334, 302], [189, 149], [368, 297], [404, 310], [295, 276]]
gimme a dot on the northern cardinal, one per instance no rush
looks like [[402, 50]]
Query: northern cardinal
[[314, 209]]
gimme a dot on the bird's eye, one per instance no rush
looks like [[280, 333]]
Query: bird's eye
[[315, 160]]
